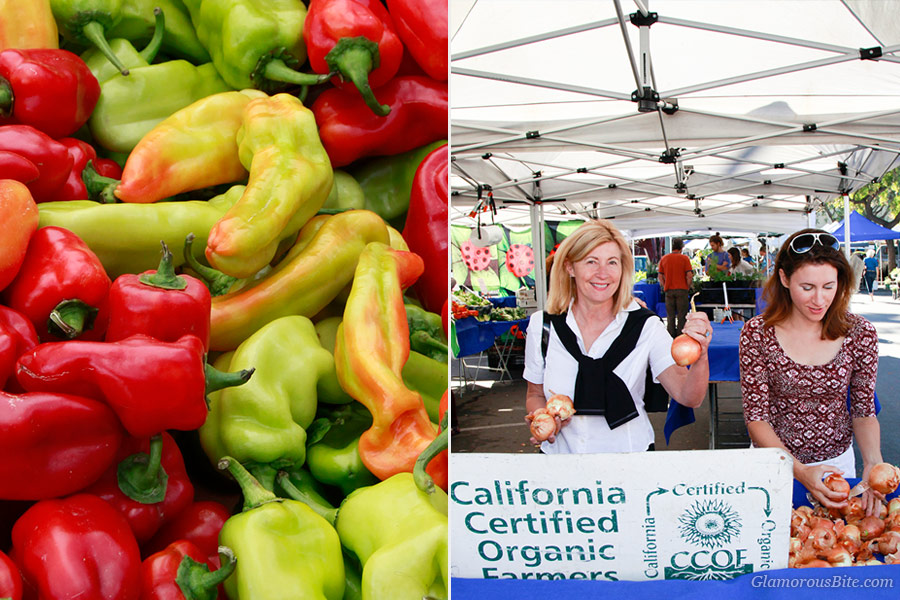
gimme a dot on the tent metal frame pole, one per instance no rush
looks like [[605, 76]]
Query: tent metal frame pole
[[541, 37], [620, 17], [797, 169], [550, 85], [537, 249], [786, 165], [847, 240]]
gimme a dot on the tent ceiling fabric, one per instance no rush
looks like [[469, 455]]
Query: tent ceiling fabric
[[776, 110]]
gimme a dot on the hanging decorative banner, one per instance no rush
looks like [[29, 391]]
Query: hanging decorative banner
[[697, 515]]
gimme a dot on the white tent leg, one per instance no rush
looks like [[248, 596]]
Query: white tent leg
[[847, 225], [537, 247]]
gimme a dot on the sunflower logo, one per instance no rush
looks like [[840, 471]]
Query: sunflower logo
[[709, 523]]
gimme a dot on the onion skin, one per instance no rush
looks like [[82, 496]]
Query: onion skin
[[543, 424], [560, 405], [884, 478], [685, 350], [836, 483]]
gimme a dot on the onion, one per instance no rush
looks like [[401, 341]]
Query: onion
[[855, 510], [884, 478], [543, 424], [893, 505], [870, 527], [839, 557], [561, 406], [822, 539], [685, 350], [815, 564], [889, 542], [836, 483]]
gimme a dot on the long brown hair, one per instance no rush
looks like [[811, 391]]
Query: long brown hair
[[835, 324], [577, 246]]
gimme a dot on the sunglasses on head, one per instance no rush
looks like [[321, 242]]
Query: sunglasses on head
[[803, 243]]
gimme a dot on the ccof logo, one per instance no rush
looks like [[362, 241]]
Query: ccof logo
[[709, 524]]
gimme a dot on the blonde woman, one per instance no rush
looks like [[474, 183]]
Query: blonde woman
[[599, 346]]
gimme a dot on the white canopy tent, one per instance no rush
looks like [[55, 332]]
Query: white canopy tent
[[670, 117]]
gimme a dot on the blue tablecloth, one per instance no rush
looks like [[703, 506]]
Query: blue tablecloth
[[474, 336], [503, 301], [837, 583], [799, 498], [649, 293]]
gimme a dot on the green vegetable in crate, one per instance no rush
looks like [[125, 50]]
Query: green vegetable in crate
[[283, 548], [252, 43], [334, 458], [265, 427], [507, 314], [129, 107], [399, 533], [125, 237]]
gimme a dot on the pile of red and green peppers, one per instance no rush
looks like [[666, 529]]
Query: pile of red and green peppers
[[223, 362]]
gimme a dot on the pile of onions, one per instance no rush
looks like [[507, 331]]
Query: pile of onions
[[685, 350], [846, 537]]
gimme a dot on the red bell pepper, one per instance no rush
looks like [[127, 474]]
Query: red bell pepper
[[17, 336], [61, 287], [10, 579], [19, 215], [151, 385], [349, 130], [82, 153], [159, 304], [47, 88], [426, 228], [17, 167], [178, 572], [54, 444], [423, 27], [356, 40], [49, 156], [77, 547], [148, 484], [200, 524]]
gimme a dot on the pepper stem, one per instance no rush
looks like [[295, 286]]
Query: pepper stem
[[71, 318], [218, 380], [277, 70], [197, 582], [354, 59], [142, 477], [7, 97], [98, 186], [218, 282], [423, 480], [165, 277], [159, 30], [94, 32], [254, 493], [328, 513]]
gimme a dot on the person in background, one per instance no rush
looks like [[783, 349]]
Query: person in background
[[766, 260], [739, 267], [871, 273], [798, 360], [717, 260], [745, 256], [592, 313], [859, 267], [676, 274]]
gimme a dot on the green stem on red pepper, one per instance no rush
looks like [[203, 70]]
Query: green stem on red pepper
[[354, 58], [98, 187], [423, 480], [218, 282], [70, 318], [142, 477], [195, 577], [164, 277]]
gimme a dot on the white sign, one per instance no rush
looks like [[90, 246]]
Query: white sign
[[704, 514]]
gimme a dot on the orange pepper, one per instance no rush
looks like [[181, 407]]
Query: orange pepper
[[27, 24], [19, 215], [371, 348]]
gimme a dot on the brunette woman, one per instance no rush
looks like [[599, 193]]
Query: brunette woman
[[599, 344], [798, 360]]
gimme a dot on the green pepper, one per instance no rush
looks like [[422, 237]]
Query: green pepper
[[265, 427], [426, 333], [252, 43], [421, 374], [387, 182], [136, 24], [346, 194], [125, 237], [334, 458], [283, 548], [399, 533], [87, 21], [125, 51]]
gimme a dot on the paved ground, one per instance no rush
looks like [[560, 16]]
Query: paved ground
[[490, 417]]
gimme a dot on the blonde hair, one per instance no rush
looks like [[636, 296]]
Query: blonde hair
[[575, 248]]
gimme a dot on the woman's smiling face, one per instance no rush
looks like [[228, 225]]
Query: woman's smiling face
[[598, 274], [812, 288]]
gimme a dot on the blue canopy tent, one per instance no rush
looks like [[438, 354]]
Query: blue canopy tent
[[864, 230]]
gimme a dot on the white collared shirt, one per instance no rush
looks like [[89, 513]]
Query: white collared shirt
[[590, 433]]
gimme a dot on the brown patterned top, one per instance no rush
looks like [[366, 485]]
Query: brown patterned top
[[807, 404]]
